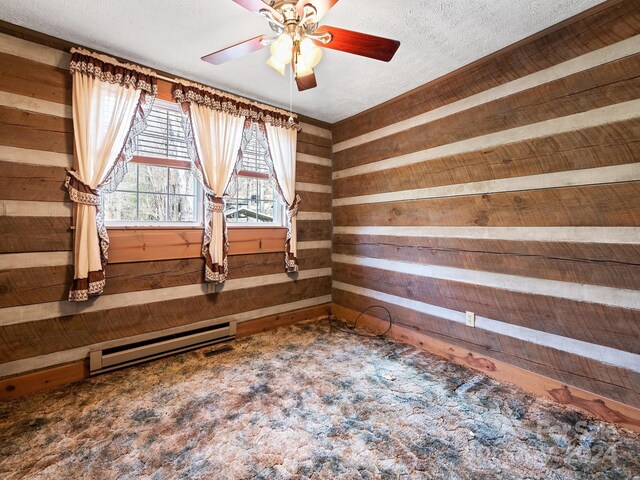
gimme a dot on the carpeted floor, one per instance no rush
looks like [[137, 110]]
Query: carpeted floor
[[305, 402]]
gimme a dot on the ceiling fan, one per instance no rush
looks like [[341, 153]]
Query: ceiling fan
[[298, 37]]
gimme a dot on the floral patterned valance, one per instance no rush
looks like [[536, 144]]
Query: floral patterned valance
[[110, 70], [233, 105]]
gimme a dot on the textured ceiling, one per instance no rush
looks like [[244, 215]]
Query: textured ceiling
[[437, 37]]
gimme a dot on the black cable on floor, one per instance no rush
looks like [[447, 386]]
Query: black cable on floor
[[352, 328]]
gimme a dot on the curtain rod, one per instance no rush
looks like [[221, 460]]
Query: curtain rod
[[151, 72]]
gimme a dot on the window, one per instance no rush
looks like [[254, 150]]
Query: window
[[253, 199], [158, 188]]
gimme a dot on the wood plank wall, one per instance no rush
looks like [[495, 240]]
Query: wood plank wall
[[510, 188], [39, 328]]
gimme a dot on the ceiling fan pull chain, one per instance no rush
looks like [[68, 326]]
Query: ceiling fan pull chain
[[291, 90]]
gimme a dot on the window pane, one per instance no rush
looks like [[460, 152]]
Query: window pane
[[153, 178], [180, 181], [120, 207], [129, 181], [181, 208], [255, 201], [265, 212], [255, 152], [152, 208], [244, 187]]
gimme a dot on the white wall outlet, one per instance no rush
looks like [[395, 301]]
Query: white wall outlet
[[471, 319]]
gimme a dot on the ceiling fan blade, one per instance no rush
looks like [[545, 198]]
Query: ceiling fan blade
[[254, 5], [235, 51], [321, 6], [378, 48], [306, 82]]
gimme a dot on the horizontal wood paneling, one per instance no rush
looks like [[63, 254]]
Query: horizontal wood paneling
[[314, 202], [612, 144], [35, 131], [313, 258], [29, 339], [614, 327], [314, 150], [613, 382], [313, 173], [310, 138], [598, 205], [590, 176], [313, 230], [582, 63], [611, 265], [619, 112], [32, 182], [612, 83], [34, 79], [35, 234], [26, 286], [574, 38]]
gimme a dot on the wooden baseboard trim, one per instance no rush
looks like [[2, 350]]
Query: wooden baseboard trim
[[596, 405], [34, 382], [263, 324]]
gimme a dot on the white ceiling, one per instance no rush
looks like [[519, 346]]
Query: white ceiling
[[437, 37]]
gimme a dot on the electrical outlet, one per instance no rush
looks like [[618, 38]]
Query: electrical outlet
[[471, 319]]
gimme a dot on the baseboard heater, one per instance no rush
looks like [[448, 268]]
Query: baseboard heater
[[121, 356]]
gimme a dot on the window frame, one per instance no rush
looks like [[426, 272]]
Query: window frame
[[132, 244], [167, 162], [199, 196]]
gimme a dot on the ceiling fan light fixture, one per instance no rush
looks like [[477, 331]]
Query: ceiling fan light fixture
[[276, 65], [310, 54], [281, 49]]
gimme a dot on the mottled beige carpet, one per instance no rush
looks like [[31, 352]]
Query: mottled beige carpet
[[305, 402]]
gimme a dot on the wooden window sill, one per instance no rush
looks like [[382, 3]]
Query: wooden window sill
[[143, 244]]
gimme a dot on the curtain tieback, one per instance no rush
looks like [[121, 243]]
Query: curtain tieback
[[214, 204], [80, 192], [293, 209]]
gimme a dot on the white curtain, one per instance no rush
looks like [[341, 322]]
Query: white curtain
[[282, 145], [106, 105], [217, 135]]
